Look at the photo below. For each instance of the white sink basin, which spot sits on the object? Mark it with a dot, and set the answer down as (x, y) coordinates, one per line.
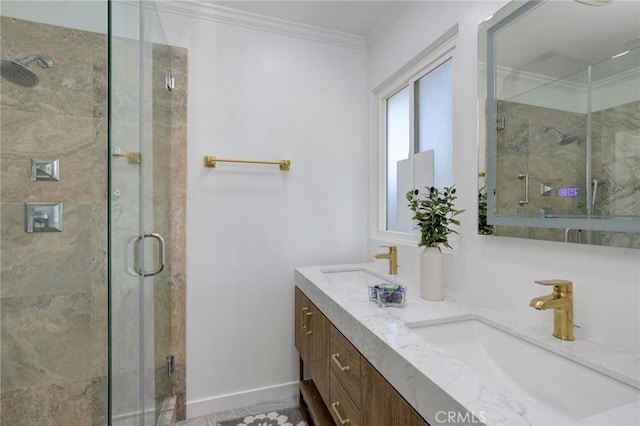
(357, 277)
(548, 380)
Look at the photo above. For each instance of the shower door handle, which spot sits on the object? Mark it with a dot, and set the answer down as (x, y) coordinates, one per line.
(137, 269)
(161, 253)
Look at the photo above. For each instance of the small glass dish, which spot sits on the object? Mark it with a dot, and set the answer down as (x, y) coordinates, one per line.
(388, 294)
(373, 293)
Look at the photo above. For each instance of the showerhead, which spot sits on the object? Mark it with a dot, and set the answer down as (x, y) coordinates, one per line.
(17, 71)
(566, 138)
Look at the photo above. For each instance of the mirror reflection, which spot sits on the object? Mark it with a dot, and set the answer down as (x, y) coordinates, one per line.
(562, 123)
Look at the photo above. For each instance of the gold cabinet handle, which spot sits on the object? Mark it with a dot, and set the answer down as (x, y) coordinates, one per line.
(303, 318)
(342, 421)
(335, 357)
(308, 328)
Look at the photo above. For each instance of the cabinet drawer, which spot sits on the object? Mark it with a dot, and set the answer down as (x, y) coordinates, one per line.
(345, 364)
(342, 408)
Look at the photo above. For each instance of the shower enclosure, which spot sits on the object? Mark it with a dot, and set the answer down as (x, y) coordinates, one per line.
(92, 211)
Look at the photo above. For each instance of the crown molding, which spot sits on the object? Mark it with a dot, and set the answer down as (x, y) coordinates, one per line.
(211, 12)
(539, 80)
(620, 78)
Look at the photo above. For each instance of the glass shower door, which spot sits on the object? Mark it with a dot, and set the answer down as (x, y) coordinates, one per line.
(139, 229)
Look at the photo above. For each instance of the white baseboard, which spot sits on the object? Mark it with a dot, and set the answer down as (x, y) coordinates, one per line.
(248, 398)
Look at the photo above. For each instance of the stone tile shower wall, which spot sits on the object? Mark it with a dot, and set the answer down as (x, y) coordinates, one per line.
(53, 286)
(524, 147)
(617, 168)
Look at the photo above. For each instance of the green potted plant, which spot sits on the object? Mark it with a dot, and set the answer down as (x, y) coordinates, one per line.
(434, 213)
(483, 227)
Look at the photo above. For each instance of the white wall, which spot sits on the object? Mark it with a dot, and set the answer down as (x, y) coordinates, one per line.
(496, 269)
(260, 95)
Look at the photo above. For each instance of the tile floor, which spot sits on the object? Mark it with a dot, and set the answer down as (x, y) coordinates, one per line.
(213, 419)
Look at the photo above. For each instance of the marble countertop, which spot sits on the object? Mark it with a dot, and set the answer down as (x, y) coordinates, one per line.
(441, 388)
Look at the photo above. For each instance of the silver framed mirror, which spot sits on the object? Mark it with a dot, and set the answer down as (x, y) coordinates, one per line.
(560, 129)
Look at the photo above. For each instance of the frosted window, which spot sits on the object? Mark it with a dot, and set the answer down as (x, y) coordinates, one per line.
(398, 146)
(434, 109)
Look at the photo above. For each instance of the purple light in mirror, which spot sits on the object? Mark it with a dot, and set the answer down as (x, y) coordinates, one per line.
(568, 192)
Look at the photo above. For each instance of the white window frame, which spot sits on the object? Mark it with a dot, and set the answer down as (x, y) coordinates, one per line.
(429, 59)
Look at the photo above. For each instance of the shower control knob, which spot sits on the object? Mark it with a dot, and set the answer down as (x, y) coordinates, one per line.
(43, 216)
(40, 218)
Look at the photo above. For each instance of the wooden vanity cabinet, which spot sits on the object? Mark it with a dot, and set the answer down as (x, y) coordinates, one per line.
(344, 389)
(312, 342)
(382, 404)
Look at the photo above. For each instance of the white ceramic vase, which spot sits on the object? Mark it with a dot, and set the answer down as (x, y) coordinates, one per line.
(431, 274)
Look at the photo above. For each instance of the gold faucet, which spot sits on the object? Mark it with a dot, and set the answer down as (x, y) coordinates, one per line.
(392, 255)
(561, 301)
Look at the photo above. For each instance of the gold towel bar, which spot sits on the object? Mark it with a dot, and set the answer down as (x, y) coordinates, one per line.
(210, 161)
